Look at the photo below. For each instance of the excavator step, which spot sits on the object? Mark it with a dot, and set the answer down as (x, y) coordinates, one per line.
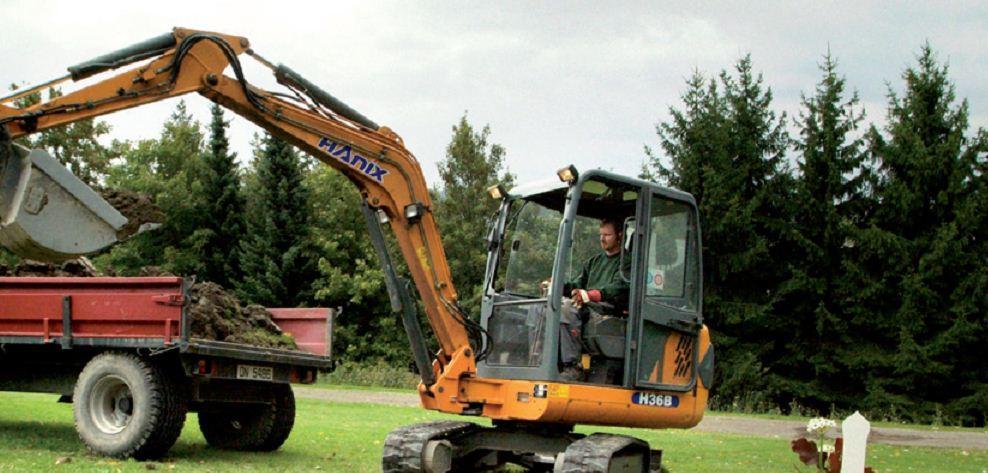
(46, 212)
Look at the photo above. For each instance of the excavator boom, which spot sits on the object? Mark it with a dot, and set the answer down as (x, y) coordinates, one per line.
(373, 157)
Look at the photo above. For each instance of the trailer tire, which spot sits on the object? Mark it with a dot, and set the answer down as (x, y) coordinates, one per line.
(125, 406)
(283, 418)
(261, 429)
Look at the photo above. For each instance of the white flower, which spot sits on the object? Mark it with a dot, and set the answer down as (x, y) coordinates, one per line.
(820, 425)
(827, 448)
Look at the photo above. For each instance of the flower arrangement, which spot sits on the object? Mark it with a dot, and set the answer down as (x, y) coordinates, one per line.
(825, 456)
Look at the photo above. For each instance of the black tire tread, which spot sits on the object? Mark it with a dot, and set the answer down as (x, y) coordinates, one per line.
(593, 453)
(283, 419)
(265, 432)
(170, 417)
(403, 446)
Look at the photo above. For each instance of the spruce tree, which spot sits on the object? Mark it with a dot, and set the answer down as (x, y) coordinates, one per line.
(223, 204)
(694, 140)
(277, 257)
(727, 148)
(830, 193)
(920, 264)
(472, 164)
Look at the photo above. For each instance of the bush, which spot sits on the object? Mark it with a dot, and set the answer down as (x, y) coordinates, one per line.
(376, 374)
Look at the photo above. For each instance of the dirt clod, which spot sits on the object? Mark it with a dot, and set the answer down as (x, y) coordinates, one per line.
(138, 208)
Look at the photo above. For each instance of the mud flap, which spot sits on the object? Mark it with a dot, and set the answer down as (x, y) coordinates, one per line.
(47, 213)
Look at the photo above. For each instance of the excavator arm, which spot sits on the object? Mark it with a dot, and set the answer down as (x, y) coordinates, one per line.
(373, 157)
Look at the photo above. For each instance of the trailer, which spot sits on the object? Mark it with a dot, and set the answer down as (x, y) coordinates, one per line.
(119, 350)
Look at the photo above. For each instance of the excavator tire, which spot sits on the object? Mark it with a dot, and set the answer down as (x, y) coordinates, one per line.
(257, 429)
(404, 447)
(606, 453)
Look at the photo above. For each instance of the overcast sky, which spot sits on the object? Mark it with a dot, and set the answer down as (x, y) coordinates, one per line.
(558, 82)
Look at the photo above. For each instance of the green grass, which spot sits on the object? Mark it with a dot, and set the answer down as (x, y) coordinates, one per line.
(36, 432)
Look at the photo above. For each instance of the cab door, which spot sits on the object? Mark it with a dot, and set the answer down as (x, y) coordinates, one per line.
(667, 295)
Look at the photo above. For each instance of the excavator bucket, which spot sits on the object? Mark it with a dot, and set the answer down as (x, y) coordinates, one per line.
(47, 213)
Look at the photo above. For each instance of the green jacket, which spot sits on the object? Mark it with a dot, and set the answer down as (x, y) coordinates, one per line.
(602, 272)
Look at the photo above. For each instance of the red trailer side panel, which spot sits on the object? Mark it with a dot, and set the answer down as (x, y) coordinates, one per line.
(95, 307)
(310, 327)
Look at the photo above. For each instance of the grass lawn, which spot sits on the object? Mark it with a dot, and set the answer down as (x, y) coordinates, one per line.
(36, 434)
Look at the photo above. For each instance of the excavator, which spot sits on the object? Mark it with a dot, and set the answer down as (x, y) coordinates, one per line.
(647, 365)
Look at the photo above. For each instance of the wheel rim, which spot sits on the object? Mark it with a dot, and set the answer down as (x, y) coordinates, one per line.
(111, 405)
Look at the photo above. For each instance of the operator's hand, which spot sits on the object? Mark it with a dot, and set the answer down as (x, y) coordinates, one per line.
(583, 296)
(544, 286)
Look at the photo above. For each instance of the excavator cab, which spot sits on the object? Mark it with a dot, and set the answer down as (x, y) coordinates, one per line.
(545, 232)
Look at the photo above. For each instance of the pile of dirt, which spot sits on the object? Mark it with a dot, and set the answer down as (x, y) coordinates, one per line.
(219, 315)
(215, 313)
(138, 208)
(76, 268)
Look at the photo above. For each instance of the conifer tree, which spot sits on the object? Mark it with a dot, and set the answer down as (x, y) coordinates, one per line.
(919, 265)
(727, 148)
(277, 257)
(472, 164)
(830, 195)
(223, 204)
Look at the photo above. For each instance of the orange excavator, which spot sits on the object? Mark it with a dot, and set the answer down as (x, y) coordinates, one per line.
(648, 363)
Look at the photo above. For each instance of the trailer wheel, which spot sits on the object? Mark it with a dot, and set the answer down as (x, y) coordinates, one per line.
(251, 428)
(125, 406)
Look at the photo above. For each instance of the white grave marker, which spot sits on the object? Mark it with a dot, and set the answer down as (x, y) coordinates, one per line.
(855, 430)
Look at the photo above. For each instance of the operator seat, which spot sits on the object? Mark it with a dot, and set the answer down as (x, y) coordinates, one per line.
(604, 341)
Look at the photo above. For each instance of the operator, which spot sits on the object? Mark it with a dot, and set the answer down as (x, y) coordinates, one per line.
(599, 281)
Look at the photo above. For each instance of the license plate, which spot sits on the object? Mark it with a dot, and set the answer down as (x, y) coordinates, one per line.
(260, 373)
(655, 400)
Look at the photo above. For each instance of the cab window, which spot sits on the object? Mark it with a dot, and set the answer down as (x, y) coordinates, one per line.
(671, 264)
